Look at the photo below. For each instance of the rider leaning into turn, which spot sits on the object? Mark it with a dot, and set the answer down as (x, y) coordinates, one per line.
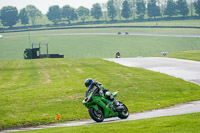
(90, 84)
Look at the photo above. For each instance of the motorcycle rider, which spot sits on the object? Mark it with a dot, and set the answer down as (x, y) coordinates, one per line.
(90, 84)
(117, 55)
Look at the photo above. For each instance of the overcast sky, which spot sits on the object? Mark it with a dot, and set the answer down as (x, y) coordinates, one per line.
(43, 5)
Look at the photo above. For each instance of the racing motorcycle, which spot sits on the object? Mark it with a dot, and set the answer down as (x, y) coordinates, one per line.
(117, 56)
(99, 107)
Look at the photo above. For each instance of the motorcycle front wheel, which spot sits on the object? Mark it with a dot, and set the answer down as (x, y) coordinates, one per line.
(97, 116)
(124, 113)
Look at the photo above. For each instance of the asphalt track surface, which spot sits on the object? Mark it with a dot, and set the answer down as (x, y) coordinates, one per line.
(187, 70)
(190, 107)
(81, 34)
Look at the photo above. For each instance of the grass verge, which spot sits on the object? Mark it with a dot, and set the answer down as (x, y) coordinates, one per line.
(188, 55)
(96, 46)
(34, 91)
(189, 123)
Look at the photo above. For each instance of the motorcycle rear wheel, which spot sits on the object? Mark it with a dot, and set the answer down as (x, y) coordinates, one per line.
(123, 114)
(97, 116)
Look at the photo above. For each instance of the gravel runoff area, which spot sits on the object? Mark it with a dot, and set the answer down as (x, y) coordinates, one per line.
(185, 69)
(186, 108)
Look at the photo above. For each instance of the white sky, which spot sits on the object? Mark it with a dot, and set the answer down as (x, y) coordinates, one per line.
(43, 5)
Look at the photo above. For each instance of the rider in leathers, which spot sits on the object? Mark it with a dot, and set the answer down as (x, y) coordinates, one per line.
(101, 90)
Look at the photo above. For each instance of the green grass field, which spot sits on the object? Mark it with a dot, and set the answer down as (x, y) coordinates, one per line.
(34, 91)
(191, 31)
(193, 23)
(99, 46)
(189, 123)
(188, 55)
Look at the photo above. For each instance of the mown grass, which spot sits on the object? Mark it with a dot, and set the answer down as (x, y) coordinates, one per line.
(95, 46)
(34, 91)
(193, 23)
(188, 55)
(190, 31)
(189, 123)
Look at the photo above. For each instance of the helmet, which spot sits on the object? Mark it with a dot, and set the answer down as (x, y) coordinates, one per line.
(88, 82)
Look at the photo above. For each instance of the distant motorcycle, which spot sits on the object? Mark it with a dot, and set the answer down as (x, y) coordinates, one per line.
(99, 107)
(117, 55)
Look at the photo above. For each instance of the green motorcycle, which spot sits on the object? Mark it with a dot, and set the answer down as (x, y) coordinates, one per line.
(99, 107)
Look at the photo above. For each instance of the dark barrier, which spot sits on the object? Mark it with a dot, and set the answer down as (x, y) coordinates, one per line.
(93, 27)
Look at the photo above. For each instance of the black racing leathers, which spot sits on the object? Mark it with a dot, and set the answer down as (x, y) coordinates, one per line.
(98, 87)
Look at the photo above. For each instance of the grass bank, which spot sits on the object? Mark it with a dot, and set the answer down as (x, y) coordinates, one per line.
(44, 22)
(188, 55)
(191, 31)
(99, 46)
(34, 91)
(189, 123)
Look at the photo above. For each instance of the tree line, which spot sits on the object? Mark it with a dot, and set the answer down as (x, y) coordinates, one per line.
(137, 9)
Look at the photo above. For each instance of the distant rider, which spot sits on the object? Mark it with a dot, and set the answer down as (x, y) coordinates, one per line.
(101, 90)
(117, 55)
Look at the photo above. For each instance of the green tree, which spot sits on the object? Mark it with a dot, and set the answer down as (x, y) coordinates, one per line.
(126, 12)
(153, 9)
(9, 16)
(191, 7)
(162, 4)
(112, 12)
(140, 9)
(104, 10)
(182, 7)
(132, 6)
(118, 7)
(171, 9)
(54, 14)
(197, 7)
(69, 13)
(33, 13)
(23, 16)
(96, 11)
(83, 13)
(0, 17)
